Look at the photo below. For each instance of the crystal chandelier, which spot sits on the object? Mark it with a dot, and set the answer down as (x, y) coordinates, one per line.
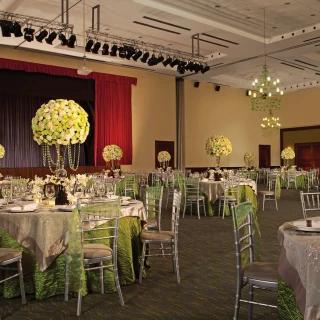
(266, 94)
(270, 125)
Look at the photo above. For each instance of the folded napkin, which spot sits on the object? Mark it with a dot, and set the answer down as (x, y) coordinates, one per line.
(29, 206)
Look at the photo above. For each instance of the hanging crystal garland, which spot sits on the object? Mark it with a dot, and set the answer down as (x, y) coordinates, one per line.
(270, 125)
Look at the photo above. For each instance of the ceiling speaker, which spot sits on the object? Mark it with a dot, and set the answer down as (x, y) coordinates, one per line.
(196, 84)
(217, 88)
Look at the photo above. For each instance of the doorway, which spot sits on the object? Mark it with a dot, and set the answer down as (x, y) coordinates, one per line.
(164, 146)
(307, 155)
(264, 156)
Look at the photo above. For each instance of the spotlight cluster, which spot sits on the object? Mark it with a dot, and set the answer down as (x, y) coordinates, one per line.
(150, 54)
(11, 23)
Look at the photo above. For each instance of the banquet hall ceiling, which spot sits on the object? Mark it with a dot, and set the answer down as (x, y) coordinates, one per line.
(231, 35)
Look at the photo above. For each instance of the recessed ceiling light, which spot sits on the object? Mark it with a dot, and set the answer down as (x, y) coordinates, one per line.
(312, 15)
(286, 3)
(140, 37)
(217, 6)
(106, 29)
(170, 44)
(274, 27)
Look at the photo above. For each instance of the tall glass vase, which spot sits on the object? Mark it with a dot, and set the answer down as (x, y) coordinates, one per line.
(61, 153)
(218, 158)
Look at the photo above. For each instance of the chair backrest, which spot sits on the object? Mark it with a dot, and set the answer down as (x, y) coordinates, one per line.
(175, 212)
(231, 186)
(191, 186)
(242, 226)
(272, 182)
(310, 201)
(253, 175)
(154, 203)
(100, 222)
(154, 179)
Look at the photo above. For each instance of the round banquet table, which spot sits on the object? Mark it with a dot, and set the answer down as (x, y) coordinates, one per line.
(299, 271)
(42, 237)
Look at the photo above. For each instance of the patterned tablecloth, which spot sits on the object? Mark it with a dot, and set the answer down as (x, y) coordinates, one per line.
(214, 189)
(299, 267)
(44, 232)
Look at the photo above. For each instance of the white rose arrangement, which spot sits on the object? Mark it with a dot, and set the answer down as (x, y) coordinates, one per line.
(60, 122)
(249, 157)
(218, 146)
(164, 156)
(287, 154)
(2, 151)
(112, 152)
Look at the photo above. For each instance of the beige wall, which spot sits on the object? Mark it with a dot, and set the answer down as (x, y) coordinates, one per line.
(153, 102)
(227, 112)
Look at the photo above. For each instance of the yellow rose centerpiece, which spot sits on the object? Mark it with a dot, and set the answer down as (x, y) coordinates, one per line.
(61, 123)
(112, 153)
(249, 157)
(2, 151)
(218, 146)
(164, 157)
(287, 154)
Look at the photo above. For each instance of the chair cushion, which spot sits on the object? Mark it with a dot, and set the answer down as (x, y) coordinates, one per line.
(9, 253)
(266, 271)
(195, 197)
(156, 235)
(152, 223)
(96, 250)
(267, 193)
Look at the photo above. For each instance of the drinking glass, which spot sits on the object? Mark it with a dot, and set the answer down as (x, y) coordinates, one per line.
(50, 191)
(6, 193)
(16, 190)
(101, 189)
(78, 191)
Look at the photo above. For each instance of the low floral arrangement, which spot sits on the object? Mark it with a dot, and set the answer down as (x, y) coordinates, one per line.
(2, 151)
(249, 157)
(218, 146)
(112, 152)
(164, 156)
(60, 122)
(287, 153)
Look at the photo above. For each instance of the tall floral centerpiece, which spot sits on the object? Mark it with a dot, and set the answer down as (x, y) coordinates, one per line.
(287, 154)
(112, 153)
(164, 157)
(61, 123)
(2, 151)
(249, 158)
(218, 146)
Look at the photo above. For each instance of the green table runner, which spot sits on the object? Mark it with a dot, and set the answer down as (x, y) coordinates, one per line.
(51, 281)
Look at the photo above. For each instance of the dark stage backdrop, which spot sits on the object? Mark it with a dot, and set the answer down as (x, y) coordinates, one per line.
(21, 94)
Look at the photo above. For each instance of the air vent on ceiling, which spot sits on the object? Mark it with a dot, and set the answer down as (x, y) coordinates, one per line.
(290, 65)
(216, 44)
(167, 23)
(217, 64)
(225, 40)
(307, 63)
(318, 74)
(311, 39)
(154, 27)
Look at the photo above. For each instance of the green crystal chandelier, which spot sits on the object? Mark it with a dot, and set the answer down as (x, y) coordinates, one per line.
(270, 125)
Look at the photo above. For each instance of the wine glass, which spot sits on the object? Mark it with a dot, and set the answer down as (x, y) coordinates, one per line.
(6, 193)
(50, 191)
(78, 191)
(101, 189)
(109, 190)
(16, 190)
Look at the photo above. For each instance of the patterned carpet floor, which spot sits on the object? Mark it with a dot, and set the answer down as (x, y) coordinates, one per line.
(208, 273)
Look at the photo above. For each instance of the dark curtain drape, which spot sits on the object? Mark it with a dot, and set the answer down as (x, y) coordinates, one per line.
(113, 120)
(120, 83)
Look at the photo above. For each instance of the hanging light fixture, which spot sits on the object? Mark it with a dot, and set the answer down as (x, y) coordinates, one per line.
(266, 94)
(270, 125)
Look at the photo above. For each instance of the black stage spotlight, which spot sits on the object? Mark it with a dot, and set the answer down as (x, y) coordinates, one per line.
(205, 69)
(96, 47)
(189, 66)
(167, 61)
(130, 52)
(88, 46)
(5, 28)
(105, 49)
(160, 58)
(41, 35)
(122, 52)
(174, 63)
(17, 30)
(197, 67)
(152, 61)
(63, 39)
(181, 68)
(51, 37)
(145, 57)
(72, 41)
(113, 51)
(28, 34)
(137, 55)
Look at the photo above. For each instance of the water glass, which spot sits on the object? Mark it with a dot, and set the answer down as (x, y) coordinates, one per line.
(6, 193)
(50, 191)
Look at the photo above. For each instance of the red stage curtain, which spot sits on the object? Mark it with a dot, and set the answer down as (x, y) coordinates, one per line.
(113, 123)
(113, 120)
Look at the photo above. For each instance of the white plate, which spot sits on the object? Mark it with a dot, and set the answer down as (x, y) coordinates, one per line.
(21, 211)
(125, 203)
(67, 208)
(125, 198)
